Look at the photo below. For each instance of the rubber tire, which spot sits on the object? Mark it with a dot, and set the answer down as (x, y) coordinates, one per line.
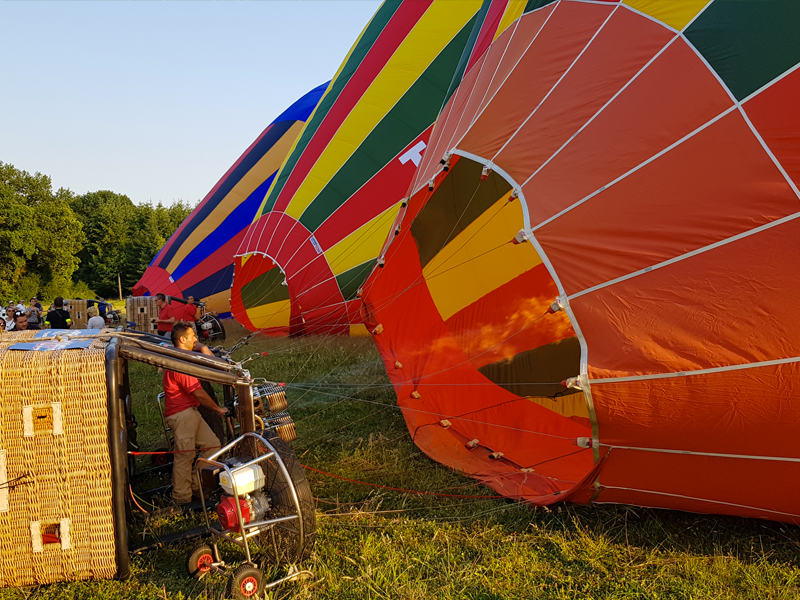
(243, 576)
(197, 558)
(280, 544)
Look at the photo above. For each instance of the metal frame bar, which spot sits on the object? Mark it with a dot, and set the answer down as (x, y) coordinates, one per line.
(248, 530)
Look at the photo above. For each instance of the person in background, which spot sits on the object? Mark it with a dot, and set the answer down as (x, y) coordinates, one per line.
(34, 312)
(8, 316)
(182, 397)
(21, 321)
(59, 318)
(20, 306)
(95, 321)
(166, 315)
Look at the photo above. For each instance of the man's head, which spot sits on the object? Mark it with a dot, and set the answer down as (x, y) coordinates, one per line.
(59, 302)
(183, 336)
(190, 299)
(20, 320)
(161, 300)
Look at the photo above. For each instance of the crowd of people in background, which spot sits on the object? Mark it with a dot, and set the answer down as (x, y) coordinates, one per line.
(19, 317)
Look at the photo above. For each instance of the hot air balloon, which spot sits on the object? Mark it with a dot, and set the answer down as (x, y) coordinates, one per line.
(198, 259)
(316, 236)
(597, 300)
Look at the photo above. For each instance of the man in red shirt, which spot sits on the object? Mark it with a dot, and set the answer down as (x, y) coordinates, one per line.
(166, 315)
(182, 395)
(189, 311)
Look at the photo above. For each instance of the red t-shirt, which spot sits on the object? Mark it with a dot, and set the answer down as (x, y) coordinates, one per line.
(165, 313)
(186, 313)
(178, 394)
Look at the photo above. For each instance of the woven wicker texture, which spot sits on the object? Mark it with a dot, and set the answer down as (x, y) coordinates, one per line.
(77, 312)
(141, 310)
(63, 463)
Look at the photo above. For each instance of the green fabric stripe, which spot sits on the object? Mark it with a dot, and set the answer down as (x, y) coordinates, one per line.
(534, 4)
(460, 199)
(467, 52)
(351, 280)
(524, 373)
(412, 115)
(748, 42)
(376, 26)
(267, 287)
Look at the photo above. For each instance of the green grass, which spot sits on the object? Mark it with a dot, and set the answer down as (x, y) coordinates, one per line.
(375, 543)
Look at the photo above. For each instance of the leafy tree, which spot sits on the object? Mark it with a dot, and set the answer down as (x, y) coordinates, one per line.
(39, 234)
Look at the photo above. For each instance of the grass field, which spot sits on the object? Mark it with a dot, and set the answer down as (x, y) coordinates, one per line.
(375, 543)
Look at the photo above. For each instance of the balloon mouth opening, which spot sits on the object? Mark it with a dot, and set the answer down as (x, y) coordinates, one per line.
(500, 356)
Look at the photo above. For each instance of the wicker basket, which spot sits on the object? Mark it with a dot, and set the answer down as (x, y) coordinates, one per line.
(77, 312)
(141, 310)
(56, 504)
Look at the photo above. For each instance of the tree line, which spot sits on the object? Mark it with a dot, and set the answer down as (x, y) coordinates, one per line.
(58, 243)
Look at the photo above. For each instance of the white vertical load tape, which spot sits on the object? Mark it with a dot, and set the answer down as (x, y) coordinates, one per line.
(27, 421)
(36, 536)
(58, 422)
(3, 482)
(63, 531)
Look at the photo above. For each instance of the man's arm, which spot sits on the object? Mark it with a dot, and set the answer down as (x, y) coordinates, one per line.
(204, 399)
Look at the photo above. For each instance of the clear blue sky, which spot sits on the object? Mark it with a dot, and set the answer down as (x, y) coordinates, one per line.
(156, 100)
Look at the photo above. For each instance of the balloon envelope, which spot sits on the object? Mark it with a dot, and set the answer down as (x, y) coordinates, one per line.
(327, 216)
(598, 300)
(197, 260)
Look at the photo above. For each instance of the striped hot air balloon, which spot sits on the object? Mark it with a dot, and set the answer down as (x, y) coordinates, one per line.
(316, 236)
(198, 259)
(598, 300)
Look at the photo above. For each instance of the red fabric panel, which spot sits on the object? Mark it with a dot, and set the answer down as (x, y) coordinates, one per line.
(736, 304)
(253, 234)
(156, 280)
(488, 29)
(567, 32)
(774, 114)
(673, 96)
(330, 320)
(479, 80)
(715, 185)
(501, 324)
(414, 334)
(624, 45)
(732, 485)
(520, 39)
(282, 237)
(393, 34)
(491, 71)
(371, 199)
(748, 411)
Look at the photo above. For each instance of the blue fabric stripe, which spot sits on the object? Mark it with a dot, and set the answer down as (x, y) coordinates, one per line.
(218, 282)
(248, 162)
(239, 219)
(302, 109)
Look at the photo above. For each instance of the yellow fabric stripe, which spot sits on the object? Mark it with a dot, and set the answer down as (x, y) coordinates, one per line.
(266, 166)
(359, 330)
(274, 314)
(363, 244)
(472, 265)
(675, 13)
(513, 12)
(437, 27)
(573, 405)
(219, 302)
